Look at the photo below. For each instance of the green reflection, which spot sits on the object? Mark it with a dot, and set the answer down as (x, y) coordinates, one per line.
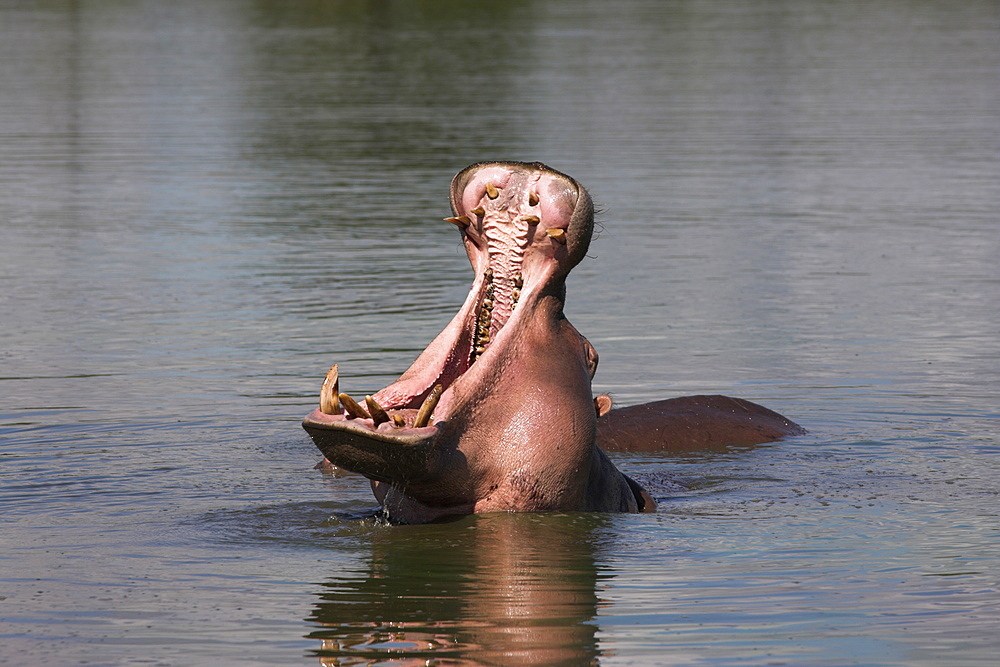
(413, 85)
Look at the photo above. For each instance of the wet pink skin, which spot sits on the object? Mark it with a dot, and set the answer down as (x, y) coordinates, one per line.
(516, 428)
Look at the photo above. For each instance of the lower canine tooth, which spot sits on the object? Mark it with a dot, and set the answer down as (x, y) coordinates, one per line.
(352, 407)
(479, 210)
(461, 221)
(378, 414)
(424, 415)
(329, 402)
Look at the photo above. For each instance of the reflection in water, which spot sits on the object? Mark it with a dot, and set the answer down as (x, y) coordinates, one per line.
(515, 589)
(202, 202)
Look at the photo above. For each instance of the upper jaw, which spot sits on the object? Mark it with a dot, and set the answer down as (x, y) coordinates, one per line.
(522, 213)
(524, 226)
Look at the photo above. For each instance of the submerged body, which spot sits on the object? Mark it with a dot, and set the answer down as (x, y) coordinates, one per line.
(497, 413)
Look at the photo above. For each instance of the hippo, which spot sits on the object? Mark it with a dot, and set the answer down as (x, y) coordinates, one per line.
(497, 413)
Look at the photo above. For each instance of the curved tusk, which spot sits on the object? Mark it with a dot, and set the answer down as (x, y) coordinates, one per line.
(424, 415)
(379, 415)
(352, 407)
(329, 402)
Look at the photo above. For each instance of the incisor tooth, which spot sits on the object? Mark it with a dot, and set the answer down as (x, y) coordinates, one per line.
(398, 420)
(531, 219)
(533, 198)
(329, 402)
(352, 407)
(557, 234)
(378, 414)
(479, 210)
(424, 414)
(491, 191)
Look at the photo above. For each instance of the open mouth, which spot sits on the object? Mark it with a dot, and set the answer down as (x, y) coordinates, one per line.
(524, 227)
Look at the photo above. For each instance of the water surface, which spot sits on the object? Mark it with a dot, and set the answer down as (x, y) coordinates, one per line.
(205, 204)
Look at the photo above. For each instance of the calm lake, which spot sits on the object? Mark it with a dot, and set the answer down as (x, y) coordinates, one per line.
(204, 204)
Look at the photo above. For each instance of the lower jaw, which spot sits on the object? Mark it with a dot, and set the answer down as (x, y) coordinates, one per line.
(379, 455)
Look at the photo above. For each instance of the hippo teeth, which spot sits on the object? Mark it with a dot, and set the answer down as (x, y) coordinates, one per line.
(461, 221)
(334, 403)
(489, 320)
(484, 320)
(379, 415)
(424, 414)
(557, 234)
(353, 409)
(329, 399)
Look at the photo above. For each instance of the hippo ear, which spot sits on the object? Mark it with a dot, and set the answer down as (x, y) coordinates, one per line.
(603, 404)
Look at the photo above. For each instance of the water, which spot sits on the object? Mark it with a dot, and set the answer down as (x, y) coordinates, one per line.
(205, 204)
